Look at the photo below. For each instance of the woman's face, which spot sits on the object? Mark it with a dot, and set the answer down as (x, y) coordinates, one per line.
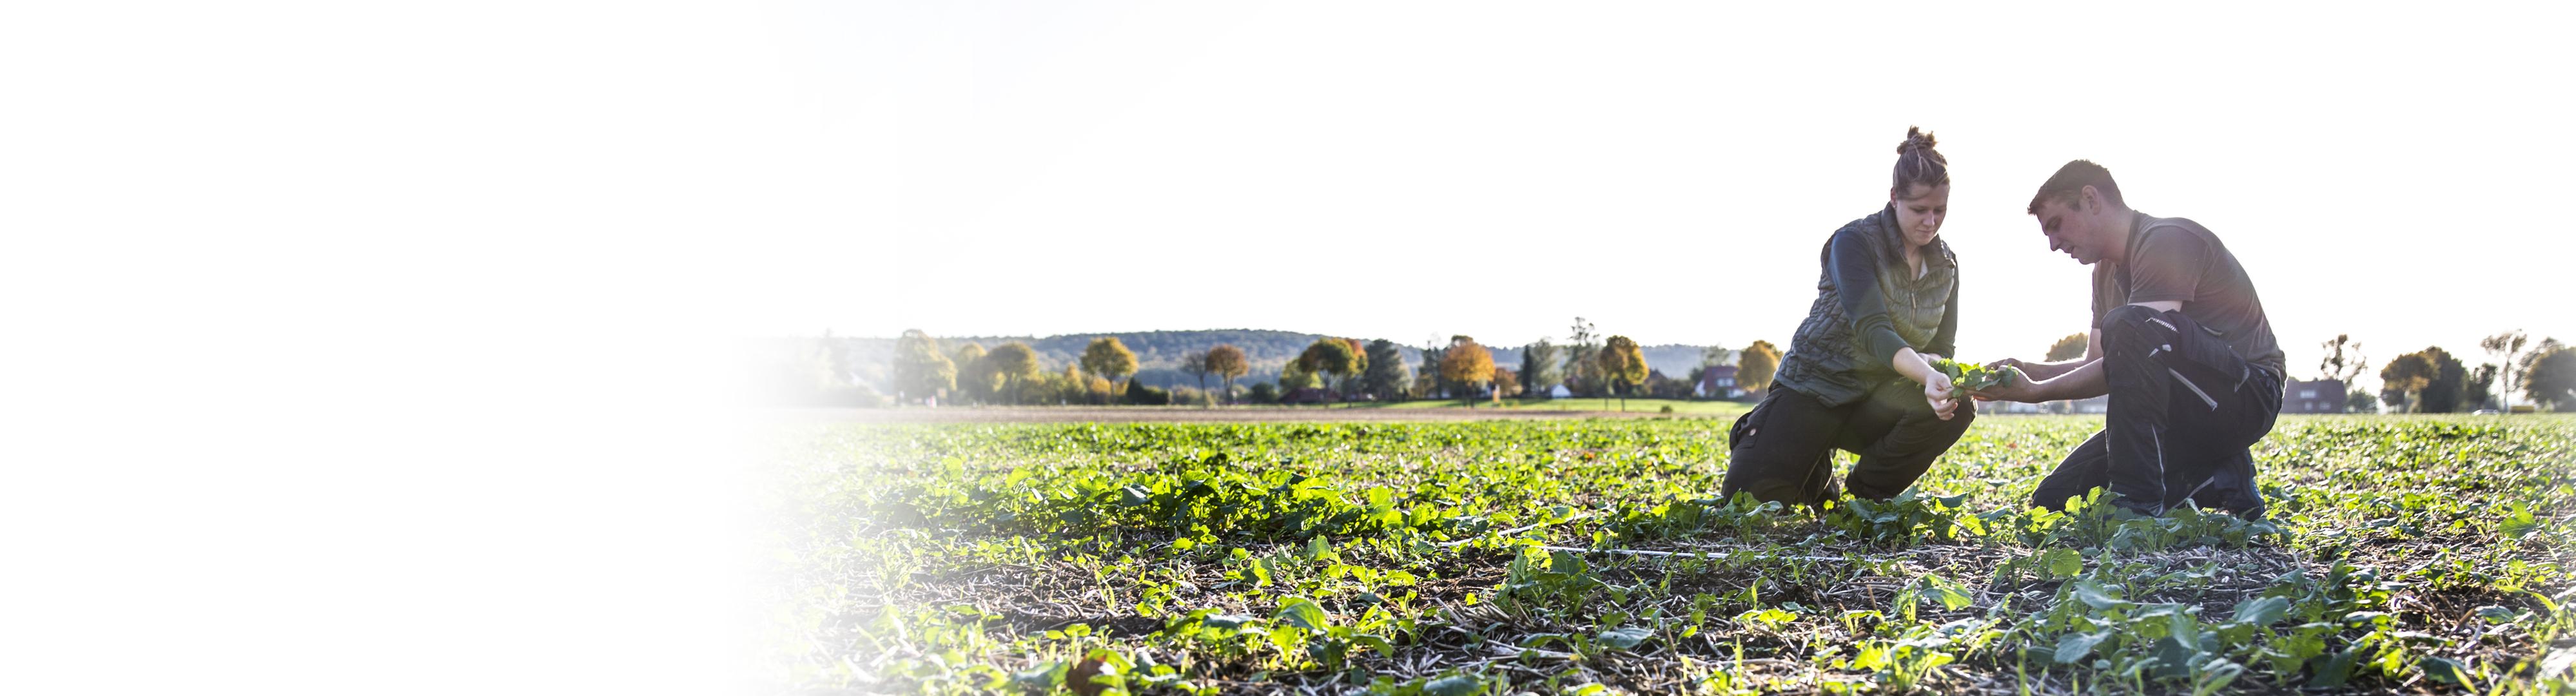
(1920, 210)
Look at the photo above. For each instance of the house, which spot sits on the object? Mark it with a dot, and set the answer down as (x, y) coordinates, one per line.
(2321, 396)
(1717, 382)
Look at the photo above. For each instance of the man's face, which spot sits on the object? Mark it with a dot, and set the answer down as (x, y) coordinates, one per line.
(2072, 230)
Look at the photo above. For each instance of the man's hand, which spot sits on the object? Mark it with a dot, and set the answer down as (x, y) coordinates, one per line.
(2016, 390)
(2025, 390)
(1936, 391)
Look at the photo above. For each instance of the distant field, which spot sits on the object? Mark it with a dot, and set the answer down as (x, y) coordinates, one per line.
(1181, 414)
(1588, 555)
(1512, 409)
(1680, 406)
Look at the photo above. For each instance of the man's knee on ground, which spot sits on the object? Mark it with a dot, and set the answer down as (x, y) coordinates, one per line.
(2136, 329)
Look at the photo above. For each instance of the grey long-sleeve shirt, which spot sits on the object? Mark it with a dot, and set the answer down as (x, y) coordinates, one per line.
(1869, 305)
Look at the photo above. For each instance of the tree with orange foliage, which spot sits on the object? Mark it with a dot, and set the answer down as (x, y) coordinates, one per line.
(1755, 367)
(1466, 363)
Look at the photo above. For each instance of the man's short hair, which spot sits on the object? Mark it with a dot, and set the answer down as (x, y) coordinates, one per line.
(2069, 182)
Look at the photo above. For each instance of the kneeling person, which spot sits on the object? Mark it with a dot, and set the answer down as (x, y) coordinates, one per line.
(2179, 342)
(1856, 377)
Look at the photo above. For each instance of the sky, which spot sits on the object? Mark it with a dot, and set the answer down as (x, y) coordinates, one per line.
(1669, 171)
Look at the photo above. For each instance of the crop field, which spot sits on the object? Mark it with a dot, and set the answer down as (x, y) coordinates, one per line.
(1590, 556)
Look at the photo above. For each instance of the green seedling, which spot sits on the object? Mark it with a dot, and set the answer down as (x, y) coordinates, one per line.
(1966, 377)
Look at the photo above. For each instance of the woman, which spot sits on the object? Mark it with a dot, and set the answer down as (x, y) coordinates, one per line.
(1858, 375)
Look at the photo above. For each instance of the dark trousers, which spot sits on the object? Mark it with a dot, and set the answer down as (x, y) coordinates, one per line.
(2184, 410)
(1782, 450)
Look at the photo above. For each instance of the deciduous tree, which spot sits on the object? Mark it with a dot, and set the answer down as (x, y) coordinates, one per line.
(1292, 378)
(2551, 377)
(1582, 372)
(1624, 365)
(2477, 391)
(1042, 388)
(2444, 392)
(2545, 345)
(2408, 375)
(974, 377)
(1195, 364)
(1138, 394)
(1714, 356)
(1466, 364)
(1227, 362)
(2068, 348)
(1015, 363)
(2505, 347)
(1333, 359)
(1108, 358)
(1100, 389)
(919, 368)
(1507, 384)
(2343, 360)
(1755, 367)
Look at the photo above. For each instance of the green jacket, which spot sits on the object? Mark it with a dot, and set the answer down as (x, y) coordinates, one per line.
(1868, 306)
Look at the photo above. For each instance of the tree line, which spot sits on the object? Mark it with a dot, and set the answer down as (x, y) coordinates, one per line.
(2433, 380)
(1328, 370)
(1589, 365)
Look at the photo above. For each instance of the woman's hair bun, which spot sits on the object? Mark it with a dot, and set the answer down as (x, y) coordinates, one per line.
(1918, 163)
(1915, 139)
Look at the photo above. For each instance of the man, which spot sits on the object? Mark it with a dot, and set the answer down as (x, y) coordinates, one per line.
(2179, 342)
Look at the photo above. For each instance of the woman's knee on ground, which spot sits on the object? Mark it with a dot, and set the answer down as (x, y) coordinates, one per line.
(1775, 479)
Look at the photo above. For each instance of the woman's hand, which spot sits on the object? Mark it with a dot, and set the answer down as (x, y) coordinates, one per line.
(1936, 391)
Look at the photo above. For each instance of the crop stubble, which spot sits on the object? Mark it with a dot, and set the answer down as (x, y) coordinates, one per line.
(2403, 555)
